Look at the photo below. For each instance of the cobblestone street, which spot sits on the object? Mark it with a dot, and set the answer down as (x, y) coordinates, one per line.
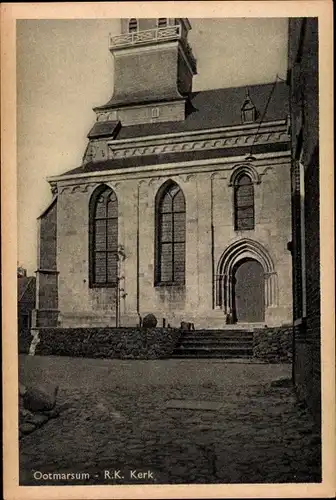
(187, 421)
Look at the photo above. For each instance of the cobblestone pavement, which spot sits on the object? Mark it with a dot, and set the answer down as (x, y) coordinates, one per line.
(116, 417)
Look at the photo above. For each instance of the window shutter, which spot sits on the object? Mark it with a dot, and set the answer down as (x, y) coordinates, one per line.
(162, 22)
(133, 25)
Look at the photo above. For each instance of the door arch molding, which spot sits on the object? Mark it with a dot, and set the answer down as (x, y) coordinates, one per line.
(234, 253)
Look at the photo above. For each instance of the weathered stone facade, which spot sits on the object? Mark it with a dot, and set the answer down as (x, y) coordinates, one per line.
(204, 150)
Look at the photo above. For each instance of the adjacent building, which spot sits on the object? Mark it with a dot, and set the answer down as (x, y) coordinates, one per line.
(182, 204)
(26, 286)
(303, 80)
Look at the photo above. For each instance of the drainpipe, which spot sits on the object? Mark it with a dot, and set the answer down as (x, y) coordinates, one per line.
(212, 244)
(138, 257)
(117, 296)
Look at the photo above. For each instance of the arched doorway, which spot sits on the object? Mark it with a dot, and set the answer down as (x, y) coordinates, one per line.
(248, 291)
(246, 281)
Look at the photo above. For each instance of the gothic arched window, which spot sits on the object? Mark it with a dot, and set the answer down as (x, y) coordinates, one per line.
(132, 25)
(103, 244)
(243, 203)
(170, 236)
(162, 22)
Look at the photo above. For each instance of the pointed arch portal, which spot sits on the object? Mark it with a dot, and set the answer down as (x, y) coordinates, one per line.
(246, 282)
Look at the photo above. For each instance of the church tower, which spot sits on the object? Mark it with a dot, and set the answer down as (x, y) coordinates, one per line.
(154, 68)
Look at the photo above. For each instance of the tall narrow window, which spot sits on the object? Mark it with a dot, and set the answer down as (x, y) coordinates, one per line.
(170, 230)
(162, 22)
(132, 25)
(103, 238)
(244, 203)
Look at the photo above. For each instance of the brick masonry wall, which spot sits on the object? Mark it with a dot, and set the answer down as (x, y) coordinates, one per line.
(119, 343)
(312, 222)
(273, 345)
(303, 65)
(307, 376)
(312, 331)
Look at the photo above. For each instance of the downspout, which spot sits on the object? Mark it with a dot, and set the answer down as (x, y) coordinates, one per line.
(138, 257)
(212, 243)
(34, 320)
(292, 243)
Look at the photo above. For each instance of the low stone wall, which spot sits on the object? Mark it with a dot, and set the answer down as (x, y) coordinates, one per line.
(273, 345)
(120, 343)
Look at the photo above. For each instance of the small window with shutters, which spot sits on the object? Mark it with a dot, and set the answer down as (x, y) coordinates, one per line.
(103, 246)
(132, 25)
(162, 22)
(171, 234)
(244, 203)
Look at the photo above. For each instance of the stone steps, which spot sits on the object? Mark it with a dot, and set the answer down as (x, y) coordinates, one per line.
(208, 343)
(221, 354)
(215, 344)
(223, 336)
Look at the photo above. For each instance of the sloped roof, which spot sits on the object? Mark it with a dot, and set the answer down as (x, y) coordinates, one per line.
(26, 289)
(49, 207)
(101, 129)
(219, 108)
(207, 109)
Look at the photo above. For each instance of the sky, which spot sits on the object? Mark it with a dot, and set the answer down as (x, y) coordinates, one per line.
(64, 69)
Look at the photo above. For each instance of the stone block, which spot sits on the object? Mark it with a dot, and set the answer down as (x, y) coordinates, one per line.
(25, 415)
(149, 321)
(40, 399)
(27, 428)
(37, 419)
(55, 412)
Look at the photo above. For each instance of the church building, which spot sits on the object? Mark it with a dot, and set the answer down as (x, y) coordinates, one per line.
(182, 204)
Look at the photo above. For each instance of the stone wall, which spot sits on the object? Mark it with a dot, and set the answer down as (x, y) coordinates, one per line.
(119, 343)
(208, 198)
(273, 345)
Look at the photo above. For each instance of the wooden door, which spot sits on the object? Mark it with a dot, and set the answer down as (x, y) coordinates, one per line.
(248, 292)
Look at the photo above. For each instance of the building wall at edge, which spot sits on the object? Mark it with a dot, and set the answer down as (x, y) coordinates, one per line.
(303, 64)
